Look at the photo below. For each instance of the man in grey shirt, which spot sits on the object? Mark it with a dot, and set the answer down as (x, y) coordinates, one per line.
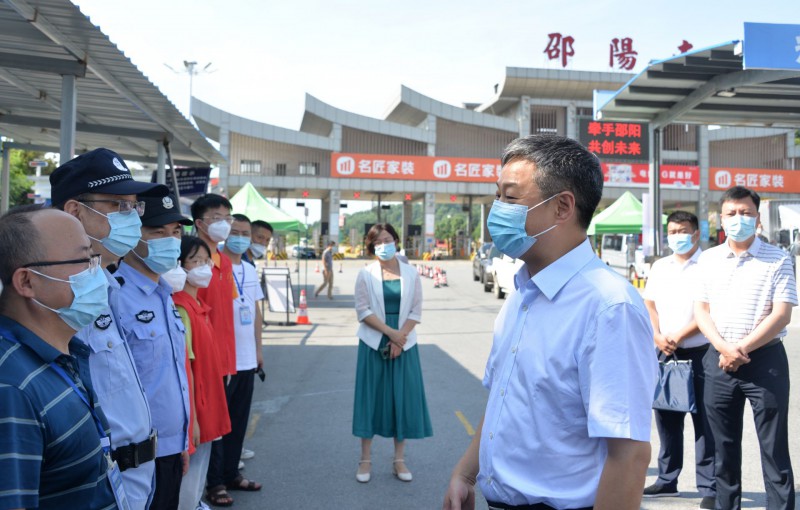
(327, 270)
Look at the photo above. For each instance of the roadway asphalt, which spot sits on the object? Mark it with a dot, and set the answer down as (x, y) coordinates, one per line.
(300, 427)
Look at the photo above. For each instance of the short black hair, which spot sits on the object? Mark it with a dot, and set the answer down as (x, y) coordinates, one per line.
(375, 231)
(209, 201)
(739, 193)
(242, 217)
(683, 217)
(562, 164)
(190, 245)
(20, 243)
(262, 224)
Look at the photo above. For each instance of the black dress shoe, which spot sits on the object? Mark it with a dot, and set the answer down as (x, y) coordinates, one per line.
(660, 491)
(708, 502)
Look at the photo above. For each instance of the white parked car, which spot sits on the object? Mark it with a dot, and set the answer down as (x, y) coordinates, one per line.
(502, 271)
(623, 253)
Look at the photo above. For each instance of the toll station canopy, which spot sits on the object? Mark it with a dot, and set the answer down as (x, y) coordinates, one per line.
(708, 86)
(53, 59)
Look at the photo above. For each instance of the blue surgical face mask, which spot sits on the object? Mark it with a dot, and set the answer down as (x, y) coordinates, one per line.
(386, 251)
(680, 243)
(162, 254)
(506, 224)
(90, 291)
(739, 227)
(238, 244)
(126, 230)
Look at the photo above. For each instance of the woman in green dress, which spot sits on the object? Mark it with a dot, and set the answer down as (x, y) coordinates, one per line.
(389, 393)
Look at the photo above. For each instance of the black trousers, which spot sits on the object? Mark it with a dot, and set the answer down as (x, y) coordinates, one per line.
(223, 468)
(765, 383)
(670, 433)
(169, 473)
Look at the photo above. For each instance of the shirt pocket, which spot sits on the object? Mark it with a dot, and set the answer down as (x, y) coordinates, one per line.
(146, 345)
(112, 368)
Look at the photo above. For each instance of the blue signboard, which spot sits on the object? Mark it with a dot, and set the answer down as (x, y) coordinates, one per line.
(771, 46)
(191, 181)
(704, 232)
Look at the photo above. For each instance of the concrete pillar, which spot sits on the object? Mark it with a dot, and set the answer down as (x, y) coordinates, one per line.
(325, 217)
(524, 116)
(225, 150)
(334, 200)
(408, 212)
(468, 233)
(161, 162)
(430, 221)
(69, 112)
(336, 134)
(431, 126)
(703, 162)
(5, 177)
(572, 121)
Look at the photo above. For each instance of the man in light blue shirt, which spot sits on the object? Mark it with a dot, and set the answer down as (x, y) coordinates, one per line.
(98, 189)
(157, 339)
(572, 371)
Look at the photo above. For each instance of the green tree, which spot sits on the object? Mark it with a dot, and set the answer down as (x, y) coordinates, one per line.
(19, 184)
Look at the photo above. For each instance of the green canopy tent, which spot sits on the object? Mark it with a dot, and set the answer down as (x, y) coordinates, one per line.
(248, 201)
(624, 216)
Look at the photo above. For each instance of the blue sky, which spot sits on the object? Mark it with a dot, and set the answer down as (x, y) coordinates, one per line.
(355, 54)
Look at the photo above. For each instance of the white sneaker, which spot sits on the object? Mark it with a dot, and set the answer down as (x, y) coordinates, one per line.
(241, 465)
(247, 454)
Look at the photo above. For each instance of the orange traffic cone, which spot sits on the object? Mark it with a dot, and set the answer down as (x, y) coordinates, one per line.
(316, 268)
(302, 309)
(436, 281)
(443, 279)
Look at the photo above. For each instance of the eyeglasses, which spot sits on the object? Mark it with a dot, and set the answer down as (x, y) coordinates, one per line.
(125, 206)
(93, 261)
(214, 219)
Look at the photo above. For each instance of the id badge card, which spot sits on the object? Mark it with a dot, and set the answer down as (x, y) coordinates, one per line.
(245, 316)
(115, 478)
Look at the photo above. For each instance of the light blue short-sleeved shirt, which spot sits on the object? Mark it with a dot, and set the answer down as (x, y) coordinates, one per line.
(156, 337)
(740, 289)
(572, 363)
(121, 394)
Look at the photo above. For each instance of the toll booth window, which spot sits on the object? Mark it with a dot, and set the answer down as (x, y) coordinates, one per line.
(250, 166)
(280, 169)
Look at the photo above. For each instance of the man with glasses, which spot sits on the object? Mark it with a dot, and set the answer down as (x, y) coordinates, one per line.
(99, 190)
(54, 439)
(212, 221)
(157, 338)
(744, 303)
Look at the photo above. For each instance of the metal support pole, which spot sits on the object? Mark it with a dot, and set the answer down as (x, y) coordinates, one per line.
(379, 208)
(69, 112)
(161, 169)
(6, 178)
(174, 172)
(656, 194)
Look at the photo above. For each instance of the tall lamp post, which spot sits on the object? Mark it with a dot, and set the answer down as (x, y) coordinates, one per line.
(192, 68)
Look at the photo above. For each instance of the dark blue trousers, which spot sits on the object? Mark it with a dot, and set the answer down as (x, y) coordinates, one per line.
(670, 433)
(765, 383)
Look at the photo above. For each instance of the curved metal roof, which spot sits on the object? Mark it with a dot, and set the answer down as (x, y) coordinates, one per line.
(706, 86)
(118, 106)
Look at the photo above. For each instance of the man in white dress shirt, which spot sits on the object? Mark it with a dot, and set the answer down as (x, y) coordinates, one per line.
(572, 371)
(743, 306)
(669, 297)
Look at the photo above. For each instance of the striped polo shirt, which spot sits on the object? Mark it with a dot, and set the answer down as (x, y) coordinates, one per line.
(50, 453)
(740, 289)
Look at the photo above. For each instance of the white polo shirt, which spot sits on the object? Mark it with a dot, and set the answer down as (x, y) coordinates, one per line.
(740, 290)
(572, 363)
(671, 286)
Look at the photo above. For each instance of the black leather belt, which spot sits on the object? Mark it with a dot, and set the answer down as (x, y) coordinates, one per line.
(535, 506)
(690, 350)
(134, 455)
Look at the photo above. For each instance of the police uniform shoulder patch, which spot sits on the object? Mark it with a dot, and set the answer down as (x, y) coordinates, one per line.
(103, 322)
(145, 316)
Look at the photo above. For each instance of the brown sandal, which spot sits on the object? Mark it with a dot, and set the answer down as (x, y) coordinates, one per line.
(241, 483)
(218, 496)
